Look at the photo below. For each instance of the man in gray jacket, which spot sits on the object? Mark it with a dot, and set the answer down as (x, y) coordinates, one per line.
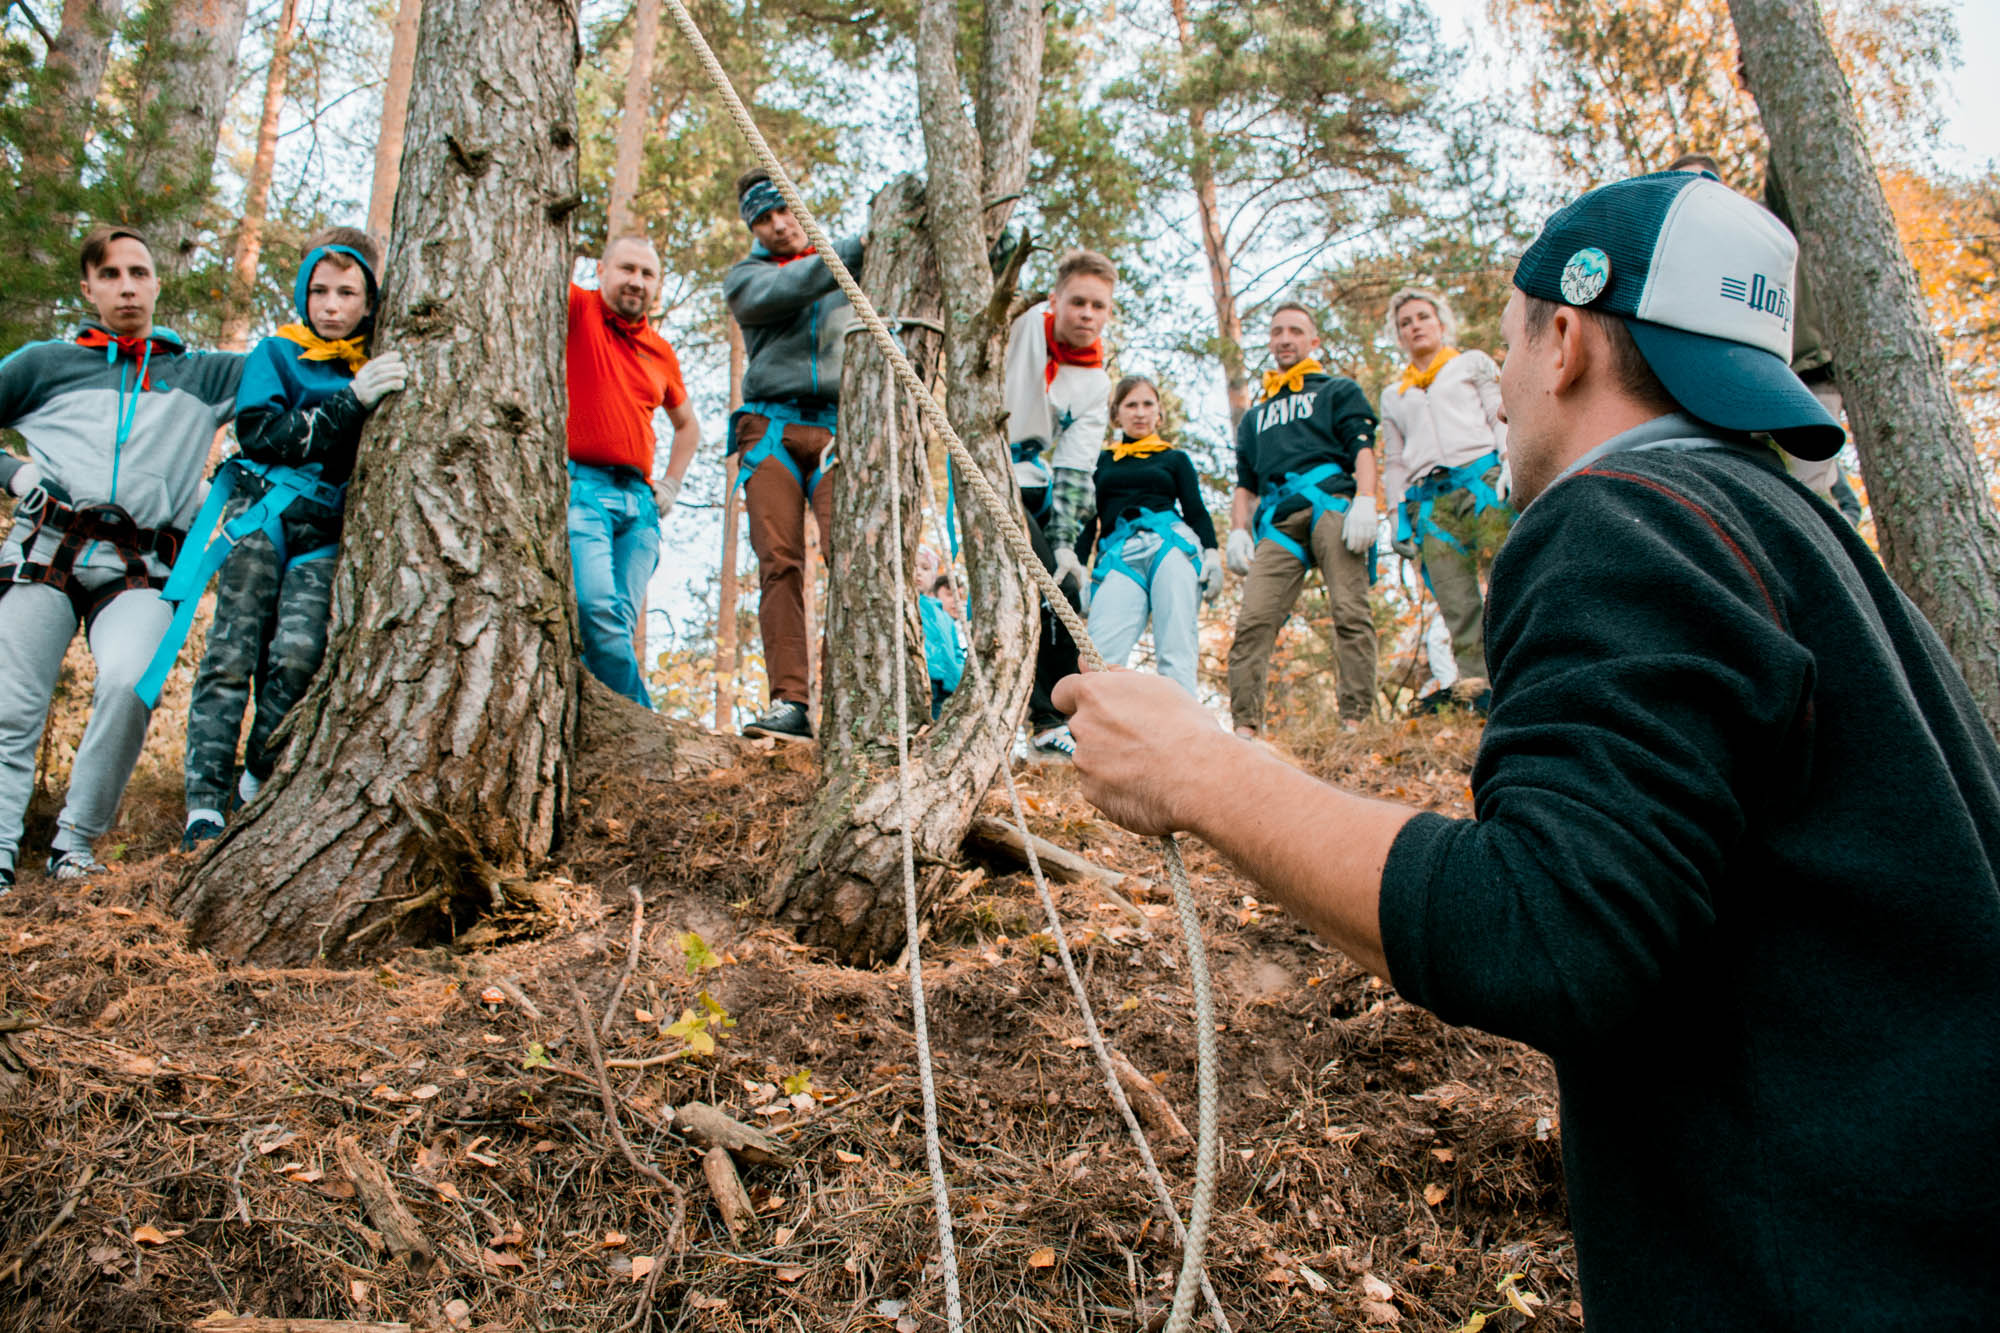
(118, 423)
(794, 322)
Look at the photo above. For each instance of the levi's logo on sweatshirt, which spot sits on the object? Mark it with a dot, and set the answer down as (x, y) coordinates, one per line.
(1283, 411)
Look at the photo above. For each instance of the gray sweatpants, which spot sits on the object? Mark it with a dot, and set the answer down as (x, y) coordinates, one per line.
(36, 625)
(1120, 607)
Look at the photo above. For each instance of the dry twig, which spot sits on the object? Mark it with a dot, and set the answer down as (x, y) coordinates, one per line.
(631, 965)
(610, 1101)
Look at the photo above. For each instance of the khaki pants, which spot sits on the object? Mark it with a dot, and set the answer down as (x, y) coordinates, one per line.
(1269, 593)
(1453, 572)
(776, 504)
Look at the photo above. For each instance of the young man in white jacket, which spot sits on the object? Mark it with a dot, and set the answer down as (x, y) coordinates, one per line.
(1444, 469)
(1058, 398)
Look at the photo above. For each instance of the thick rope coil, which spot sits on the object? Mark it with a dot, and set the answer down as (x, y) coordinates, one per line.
(1009, 523)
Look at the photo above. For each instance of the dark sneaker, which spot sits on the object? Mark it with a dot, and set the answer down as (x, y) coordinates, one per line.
(199, 832)
(1055, 743)
(783, 721)
(73, 865)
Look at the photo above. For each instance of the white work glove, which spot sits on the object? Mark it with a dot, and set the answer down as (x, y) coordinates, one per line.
(1211, 575)
(33, 490)
(665, 491)
(1242, 550)
(1504, 488)
(1069, 570)
(1359, 529)
(382, 375)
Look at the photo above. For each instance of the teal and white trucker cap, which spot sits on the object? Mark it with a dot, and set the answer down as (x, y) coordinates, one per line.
(1703, 278)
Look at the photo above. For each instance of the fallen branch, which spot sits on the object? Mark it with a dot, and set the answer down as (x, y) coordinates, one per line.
(511, 988)
(385, 1207)
(244, 1323)
(631, 965)
(1058, 863)
(719, 1169)
(1147, 1100)
(610, 1101)
(712, 1129)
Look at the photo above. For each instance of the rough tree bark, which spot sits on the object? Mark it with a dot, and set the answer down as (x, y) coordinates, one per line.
(257, 193)
(1214, 241)
(429, 764)
(77, 57)
(395, 113)
(192, 89)
(840, 881)
(620, 219)
(1934, 515)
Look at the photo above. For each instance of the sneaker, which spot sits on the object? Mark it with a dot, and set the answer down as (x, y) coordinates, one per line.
(1055, 743)
(199, 832)
(73, 865)
(783, 721)
(6, 879)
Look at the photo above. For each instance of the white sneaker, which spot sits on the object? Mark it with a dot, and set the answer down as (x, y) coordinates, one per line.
(1055, 743)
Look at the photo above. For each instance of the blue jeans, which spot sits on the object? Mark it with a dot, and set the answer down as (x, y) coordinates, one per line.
(614, 547)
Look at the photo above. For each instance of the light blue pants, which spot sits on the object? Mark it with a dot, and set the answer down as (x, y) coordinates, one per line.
(1120, 606)
(36, 625)
(614, 547)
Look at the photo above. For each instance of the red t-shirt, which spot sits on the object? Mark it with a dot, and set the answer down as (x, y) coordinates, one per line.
(618, 372)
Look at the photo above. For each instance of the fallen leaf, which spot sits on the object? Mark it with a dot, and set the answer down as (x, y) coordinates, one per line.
(1377, 1313)
(447, 1190)
(783, 1235)
(507, 1238)
(1435, 1194)
(644, 1016)
(357, 1291)
(306, 1177)
(642, 1265)
(1443, 1154)
(1375, 1289)
(148, 1234)
(1474, 1324)
(1043, 1258)
(495, 1259)
(842, 1155)
(458, 1313)
(790, 1273)
(612, 1240)
(426, 1092)
(1319, 1285)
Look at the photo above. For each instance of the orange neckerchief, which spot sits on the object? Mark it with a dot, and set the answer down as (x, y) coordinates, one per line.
(1421, 379)
(1091, 357)
(139, 346)
(1152, 444)
(353, 351)
(1294, 379)
(809, 250)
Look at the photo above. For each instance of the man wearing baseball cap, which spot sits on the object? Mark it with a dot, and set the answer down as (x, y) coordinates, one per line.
(1733, 861)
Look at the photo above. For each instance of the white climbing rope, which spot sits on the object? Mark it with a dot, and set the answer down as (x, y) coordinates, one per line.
(1009, 524)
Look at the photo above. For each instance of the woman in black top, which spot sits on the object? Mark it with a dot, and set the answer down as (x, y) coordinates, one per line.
(1155, 542)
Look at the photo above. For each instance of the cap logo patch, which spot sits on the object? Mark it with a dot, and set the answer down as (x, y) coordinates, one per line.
(1585, 276)
(1760, 294)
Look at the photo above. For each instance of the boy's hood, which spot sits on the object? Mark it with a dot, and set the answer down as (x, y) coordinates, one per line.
(303, 283)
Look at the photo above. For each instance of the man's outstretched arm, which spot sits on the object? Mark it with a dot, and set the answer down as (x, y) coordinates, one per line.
(1153, 759)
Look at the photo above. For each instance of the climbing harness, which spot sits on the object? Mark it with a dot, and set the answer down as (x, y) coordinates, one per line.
(771, 444)
(201, 557)
(1306, 486)
(1163, 523)
(1190, 1279)
(1413, 519)
(80, 527)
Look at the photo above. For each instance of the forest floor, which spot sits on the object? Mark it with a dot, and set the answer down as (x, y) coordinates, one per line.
(172, 1133)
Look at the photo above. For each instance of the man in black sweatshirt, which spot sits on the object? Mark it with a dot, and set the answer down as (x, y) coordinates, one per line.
(1733, 863)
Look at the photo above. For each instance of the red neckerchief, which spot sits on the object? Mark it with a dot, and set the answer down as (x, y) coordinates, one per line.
(137, 346)
(1091, 357)
(809, 250)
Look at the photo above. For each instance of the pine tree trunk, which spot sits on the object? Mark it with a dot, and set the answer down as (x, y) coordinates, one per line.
(1934, 514)
(257, 194)
(1214, 242)
(395, 113)
(429, 764)
(840, 879)
(840, 883)
(191, 87)
(620, 219)
(78, 57)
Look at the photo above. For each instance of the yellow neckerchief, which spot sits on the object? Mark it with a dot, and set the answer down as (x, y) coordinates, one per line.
(1421, 379)
(351, 350)
(1123, 449)
(1293, 379)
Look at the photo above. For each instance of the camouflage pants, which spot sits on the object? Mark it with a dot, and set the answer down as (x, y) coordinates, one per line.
(269, 635)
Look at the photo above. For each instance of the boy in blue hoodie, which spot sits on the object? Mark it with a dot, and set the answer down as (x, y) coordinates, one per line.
(306, 393)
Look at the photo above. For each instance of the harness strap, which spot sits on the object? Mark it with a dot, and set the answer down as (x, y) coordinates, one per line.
(1305, 485)
(83, 527)
(1111, 551)
(1414, 519)
(202, 556)
(771, 444)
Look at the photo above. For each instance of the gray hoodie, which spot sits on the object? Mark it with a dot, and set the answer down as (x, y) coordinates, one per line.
(794, 323)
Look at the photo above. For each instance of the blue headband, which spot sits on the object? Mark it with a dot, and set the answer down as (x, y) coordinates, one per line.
(758, 200)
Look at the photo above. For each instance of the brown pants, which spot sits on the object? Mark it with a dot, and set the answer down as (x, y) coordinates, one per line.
(1454, 571)
(776, 504)
(1269, 593)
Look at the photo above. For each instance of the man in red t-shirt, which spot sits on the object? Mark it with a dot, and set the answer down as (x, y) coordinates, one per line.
(619, 370)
